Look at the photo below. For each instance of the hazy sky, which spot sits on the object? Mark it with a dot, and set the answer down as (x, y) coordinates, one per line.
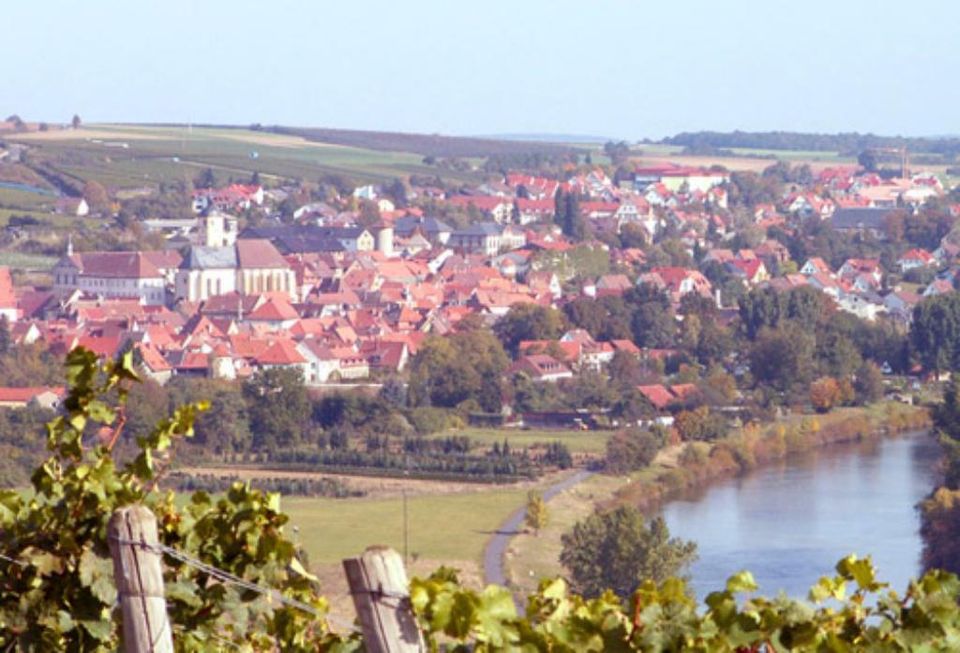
(627, 69)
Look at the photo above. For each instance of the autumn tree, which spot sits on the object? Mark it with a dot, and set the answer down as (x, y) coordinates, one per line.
(825, 394)
(536, 515)
(618, 550)
(700, 424)
(96, 195)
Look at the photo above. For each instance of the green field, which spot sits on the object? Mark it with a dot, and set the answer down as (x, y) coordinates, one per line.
(21, 199)
(594, 442)
(153, 155)
(441, 526)
(28, 262)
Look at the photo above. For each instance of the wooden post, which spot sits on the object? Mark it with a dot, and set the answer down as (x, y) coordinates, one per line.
(381, 595)
(138, 573)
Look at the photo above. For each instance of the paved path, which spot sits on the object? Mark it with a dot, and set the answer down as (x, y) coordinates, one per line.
(497, 546)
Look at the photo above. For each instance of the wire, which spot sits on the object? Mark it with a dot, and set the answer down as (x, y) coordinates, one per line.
(227, 577)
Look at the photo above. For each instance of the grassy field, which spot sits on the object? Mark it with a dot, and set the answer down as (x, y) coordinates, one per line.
(594, 442)
(130, 156)
(445, 527)
(11, 197)
(26, 262)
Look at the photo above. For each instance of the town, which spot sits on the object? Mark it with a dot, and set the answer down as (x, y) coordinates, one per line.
(345, 288)
(531, 326)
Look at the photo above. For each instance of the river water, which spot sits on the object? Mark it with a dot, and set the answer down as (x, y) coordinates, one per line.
(789, 523)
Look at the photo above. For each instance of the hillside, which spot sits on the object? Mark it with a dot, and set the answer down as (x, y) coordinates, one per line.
(435, 145)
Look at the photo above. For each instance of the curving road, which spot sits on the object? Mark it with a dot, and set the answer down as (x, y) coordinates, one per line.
(497, 546)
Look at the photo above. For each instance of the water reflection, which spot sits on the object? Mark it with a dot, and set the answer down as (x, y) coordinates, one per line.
(789, 523)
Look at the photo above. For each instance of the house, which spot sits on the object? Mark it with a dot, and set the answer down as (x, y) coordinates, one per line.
(916, 258)
(541, 367)
(235, 197)
(752, 271)
(498, 209)
(809, 205)
(43, 396)
(303, 239)
(677, 281)
(113, 274)
(612, 284)
(854, 268)
(901, 303)
(938, 287)
(435, 231)
(534, 210)
(481, 237)
(73, 206)
(870, 221)
(815, 265)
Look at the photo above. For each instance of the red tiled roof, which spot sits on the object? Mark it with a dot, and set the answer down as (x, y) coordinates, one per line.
(259, 253)
(658, 395)
(26, 395)
(281, 352)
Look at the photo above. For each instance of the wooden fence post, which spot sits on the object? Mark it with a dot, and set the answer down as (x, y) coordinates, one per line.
(138, 573)
(381, 595)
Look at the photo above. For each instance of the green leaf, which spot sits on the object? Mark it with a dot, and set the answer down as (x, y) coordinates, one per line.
(96, 572)
(101, 629)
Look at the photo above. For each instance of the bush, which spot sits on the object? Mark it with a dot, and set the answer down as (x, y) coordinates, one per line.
(631, 450)
(427, 420)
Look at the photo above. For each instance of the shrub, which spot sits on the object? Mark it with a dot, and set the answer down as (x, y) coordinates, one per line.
(630, 450)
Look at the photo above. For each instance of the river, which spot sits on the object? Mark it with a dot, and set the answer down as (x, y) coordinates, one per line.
(789, 523)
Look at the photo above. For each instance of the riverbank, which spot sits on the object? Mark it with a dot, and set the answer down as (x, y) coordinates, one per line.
(693, 465)
(699, 463)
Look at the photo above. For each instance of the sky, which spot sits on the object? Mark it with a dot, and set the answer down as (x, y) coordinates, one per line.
(628, 69)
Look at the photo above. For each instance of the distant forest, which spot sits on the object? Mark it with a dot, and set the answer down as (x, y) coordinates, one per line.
(849, 144)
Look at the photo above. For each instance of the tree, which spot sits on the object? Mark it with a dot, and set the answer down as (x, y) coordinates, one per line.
(652, 320)
(465, 366)
(824, 394)
(868, 160)
(75, 122)
(528, 322)
(277, 406)
(4, 335)
(868, 384)
(935, 331)
(630, 450)
(783, 358)
(617, 151)
(536, 515)
(96, 195)
(206, 179)
(700, 424)
(618, 550)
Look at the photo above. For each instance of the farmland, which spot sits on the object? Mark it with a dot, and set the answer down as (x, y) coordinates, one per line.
(121, 156)
(586, 442)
